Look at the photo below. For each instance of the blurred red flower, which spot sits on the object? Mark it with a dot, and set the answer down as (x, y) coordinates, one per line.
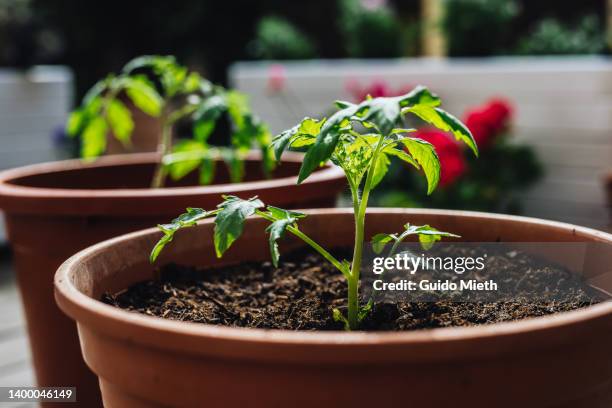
(452, 162)
(489, 121)
(276, 78)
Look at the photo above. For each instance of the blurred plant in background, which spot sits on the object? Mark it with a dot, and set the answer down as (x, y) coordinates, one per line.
(370, 29)
(490, 183)
(479, 27)
(551, 36)
(276, 38)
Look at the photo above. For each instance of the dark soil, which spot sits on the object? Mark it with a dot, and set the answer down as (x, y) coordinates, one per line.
(301, 293)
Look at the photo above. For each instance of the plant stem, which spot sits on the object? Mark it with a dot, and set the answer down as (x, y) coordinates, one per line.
(353, 280)
(295, 231)
(164, 148)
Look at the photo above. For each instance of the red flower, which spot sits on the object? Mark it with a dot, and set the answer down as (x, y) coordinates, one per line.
(488, 121)
(452, 163)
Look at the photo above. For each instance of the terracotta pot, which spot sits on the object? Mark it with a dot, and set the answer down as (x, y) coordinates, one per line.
(563, 360)
(54, 210)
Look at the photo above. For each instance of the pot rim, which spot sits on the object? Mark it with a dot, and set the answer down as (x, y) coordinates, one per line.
(12, 195)
(84, 308)
(20, 199)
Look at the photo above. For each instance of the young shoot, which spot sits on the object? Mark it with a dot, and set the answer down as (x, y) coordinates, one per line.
(162, 88)
(361, 139)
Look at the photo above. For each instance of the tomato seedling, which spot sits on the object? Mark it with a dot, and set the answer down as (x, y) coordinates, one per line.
(361, 139)
(160, 87)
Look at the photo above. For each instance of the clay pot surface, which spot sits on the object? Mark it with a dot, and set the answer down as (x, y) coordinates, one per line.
(53, 210)
(563, 360)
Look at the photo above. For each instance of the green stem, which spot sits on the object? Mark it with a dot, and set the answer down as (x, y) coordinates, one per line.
(353, 281)
(295, 231)
(164, 148)
(165, 144)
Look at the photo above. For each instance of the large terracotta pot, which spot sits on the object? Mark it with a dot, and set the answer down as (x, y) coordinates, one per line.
(563, 360)
(54, 210)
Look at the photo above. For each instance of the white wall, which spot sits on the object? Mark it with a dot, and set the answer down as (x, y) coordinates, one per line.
(563, 109)
(33, 104)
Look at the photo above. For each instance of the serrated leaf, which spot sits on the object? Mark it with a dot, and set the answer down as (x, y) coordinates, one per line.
(327, 139)
(425, 154)
(427, 235)
(94, 138)
(120, 120)
(187, 219)
(144, 95)
(276, 231)
(303, 134)
(230, 220)
(445, 122)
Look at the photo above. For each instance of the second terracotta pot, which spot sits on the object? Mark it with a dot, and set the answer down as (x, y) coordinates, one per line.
(562, 360)
(54, 210)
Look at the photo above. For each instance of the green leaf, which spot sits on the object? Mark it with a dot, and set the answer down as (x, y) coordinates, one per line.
(94, 138)
(120, 120)
(188, 219)
(144, 95)
(425, 154)
(420, 95)
(75, 122)
(276, 231)
(202, 129)
(379, 241)
(339, 317)
(327, 139)
(383, 112)
(300, 135)
(365, 310)
(96, 91)
(186, 156)
(157, 62)
(427, 235)
(446, 122)
(380, 168)
(237, 107)
(230, 220)
(402, 155)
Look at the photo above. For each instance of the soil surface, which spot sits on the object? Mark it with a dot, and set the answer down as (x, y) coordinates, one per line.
(303, 291)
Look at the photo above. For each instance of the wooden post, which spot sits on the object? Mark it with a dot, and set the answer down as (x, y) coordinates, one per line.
(434, 44)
